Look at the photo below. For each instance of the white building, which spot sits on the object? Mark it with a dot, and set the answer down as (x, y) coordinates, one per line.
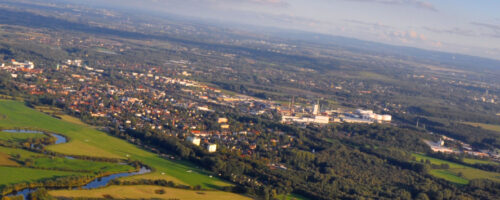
(369, 114)
(194, 140)
(27, 64)
(306, 120)
(212, 148)
(316, 109)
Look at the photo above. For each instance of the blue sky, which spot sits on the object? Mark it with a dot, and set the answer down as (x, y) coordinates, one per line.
(461, 26)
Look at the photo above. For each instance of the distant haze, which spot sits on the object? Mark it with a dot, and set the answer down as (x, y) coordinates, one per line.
(458, 26)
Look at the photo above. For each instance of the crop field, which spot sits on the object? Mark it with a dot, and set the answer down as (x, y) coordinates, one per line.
(146, 192)
(458, 173)
(85, 140)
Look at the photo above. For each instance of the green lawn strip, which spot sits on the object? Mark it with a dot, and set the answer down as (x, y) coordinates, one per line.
(13, 175)
(449, 176)
(79, 165)
(437, 161)
(95, 143)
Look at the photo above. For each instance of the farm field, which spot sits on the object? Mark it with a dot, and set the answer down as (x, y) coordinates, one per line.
(85, 140)
(453, 173)
(147, 192)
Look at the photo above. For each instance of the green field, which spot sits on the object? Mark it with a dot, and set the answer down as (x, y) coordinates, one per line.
(85, 140)
(12, 175)
(77, 165)
(19, 137)
(453, 173)
(21, 152)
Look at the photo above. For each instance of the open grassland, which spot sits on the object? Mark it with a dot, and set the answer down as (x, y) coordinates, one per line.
(19, 137)
(146, 192)
(458, 173)
(85, 140)
(80, 165)
(12, 175)
(491, 127)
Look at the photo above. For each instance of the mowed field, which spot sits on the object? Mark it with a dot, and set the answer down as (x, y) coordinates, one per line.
(147, 191)
(85, 140)
(452, 174)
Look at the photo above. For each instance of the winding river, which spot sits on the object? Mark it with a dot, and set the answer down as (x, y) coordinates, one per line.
(96, 183)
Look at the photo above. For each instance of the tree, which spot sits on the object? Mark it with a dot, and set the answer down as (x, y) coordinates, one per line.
(422, 196)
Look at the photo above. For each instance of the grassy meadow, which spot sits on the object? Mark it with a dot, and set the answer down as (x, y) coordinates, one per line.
(66, 164)
(12, 175)
(458, 173)
(19, 137)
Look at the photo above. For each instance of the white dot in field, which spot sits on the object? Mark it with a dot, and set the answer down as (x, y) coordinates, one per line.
(163, 173)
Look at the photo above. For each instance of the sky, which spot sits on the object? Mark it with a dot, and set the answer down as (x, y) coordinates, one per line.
(460, 26)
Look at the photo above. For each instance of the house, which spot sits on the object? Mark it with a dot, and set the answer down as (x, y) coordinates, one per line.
(212, 148)
(222, 120)
(194, 140)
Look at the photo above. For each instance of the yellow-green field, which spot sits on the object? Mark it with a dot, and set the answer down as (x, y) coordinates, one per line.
(453, 173)
(6, 161)
(87, 141)
(147, 192)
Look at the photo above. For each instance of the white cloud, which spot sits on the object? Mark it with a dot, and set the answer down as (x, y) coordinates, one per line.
(414, 3)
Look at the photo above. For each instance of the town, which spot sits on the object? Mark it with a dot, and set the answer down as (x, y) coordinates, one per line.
(156, 102)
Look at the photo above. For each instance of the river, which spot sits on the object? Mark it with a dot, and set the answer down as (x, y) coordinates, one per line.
(97, 183)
